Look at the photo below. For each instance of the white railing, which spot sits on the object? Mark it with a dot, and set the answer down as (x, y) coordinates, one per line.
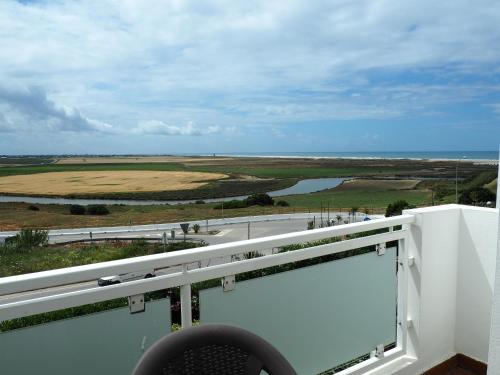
(181, 276)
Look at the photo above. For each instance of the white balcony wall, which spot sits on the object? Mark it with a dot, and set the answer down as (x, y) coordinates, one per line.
(475, 280)
(451, 284)
(494, 349)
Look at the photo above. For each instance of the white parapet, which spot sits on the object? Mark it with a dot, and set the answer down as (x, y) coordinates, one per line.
(450, 288)
(494, 344)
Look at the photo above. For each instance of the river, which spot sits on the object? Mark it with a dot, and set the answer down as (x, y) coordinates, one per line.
(302, 187)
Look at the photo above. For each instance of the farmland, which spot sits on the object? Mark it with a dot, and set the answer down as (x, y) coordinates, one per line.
(374, 195)
(372, 184)
(67, 183)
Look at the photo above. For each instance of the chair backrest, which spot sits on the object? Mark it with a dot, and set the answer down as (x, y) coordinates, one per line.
(212, 349)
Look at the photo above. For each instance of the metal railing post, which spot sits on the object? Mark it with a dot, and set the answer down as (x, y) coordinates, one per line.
(186, 315)
(402, 299)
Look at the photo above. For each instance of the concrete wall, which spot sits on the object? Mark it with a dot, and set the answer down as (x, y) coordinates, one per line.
(475, 281)
(451, 285)
(432, 286)
(494, 353)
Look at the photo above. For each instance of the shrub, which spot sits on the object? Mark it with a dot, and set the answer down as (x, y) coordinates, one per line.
(26, 239)
(76, 209)
(478, 196)
(282, 204)
(97, 209)
(260, 200)
(396, 208)
(310, 225)
(231, 204)
(33, 208)
(137, 247)
(196, 228)
(442, 191)
(200, 201)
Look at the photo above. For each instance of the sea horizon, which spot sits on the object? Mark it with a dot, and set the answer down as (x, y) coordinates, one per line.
(410, 155)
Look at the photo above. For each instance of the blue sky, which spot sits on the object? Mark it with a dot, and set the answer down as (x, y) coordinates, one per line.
(103, 76)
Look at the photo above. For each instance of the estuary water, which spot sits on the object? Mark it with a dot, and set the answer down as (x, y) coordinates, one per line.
(302, 187)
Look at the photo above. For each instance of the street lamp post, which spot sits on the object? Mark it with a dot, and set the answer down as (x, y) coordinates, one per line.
(456, 178)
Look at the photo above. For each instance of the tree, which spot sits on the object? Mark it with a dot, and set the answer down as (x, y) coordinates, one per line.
(478, 196)
(282, 204)
(396, 208)
(97, 209)
(196, 228)
(231, 204)
(260, 200)
(185, 228)
(76, 209)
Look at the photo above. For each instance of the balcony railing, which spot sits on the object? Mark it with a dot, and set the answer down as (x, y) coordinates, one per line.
(349, 294)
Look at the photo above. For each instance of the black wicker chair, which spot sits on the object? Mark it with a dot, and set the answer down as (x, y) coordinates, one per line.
(212, 349)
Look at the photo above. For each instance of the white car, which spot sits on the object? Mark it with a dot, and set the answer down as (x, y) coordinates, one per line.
(123, 278)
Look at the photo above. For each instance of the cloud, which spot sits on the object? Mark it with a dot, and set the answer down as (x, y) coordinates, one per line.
(242, 65)
(155, 127)
(30, 109)
(495, 107)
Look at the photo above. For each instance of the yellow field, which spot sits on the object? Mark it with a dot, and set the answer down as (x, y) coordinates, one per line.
(64, 183)
(134, 159)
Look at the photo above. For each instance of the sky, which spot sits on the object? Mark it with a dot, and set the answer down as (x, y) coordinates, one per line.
(163, 77)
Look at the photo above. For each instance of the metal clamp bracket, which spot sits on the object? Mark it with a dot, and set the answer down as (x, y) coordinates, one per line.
(380, 248)
(136, 304)
(378, 352)
(228, 283)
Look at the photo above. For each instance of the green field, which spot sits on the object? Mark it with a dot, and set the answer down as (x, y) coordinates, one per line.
(12, 160)
(299, 172)
(258, 171)
(492, 185)
(361, 199)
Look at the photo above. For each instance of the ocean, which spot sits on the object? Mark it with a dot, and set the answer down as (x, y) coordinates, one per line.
(417, 155)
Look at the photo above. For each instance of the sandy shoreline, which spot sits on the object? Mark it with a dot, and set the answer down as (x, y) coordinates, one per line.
(475, 161)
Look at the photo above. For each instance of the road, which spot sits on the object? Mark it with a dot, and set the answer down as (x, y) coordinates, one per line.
(226, 233)
(136, 230)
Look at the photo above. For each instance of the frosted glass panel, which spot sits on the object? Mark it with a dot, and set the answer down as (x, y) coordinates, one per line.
(106, 343)
(320, 316)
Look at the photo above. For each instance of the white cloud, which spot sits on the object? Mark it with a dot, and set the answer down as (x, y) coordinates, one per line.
(495, 107)
(156, 127)
(239, 63)
(30, 110)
